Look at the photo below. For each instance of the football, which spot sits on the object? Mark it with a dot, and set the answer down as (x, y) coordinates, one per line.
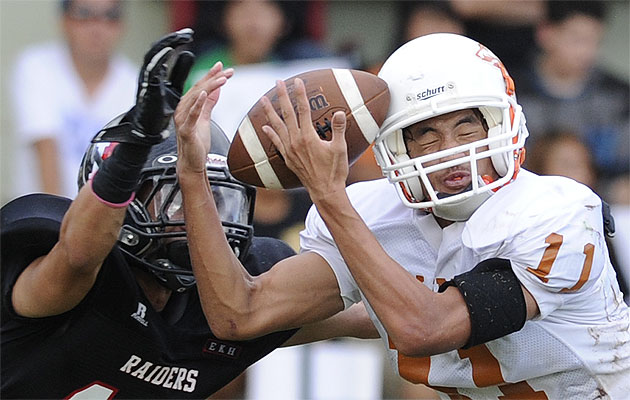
(363, 97)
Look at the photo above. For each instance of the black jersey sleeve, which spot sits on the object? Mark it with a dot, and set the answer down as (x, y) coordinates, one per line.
(29, 228)
(264, 253)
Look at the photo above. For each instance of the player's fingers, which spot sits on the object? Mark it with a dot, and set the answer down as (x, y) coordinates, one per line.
(203, 82)
(275, 139)
(339, 129)
(303, 108)
(213, 97)
(212, 72)
(216, 70)
(183, 108)
(159, 59)
(186, 121)
(275, 121)
(211, 100)
(214, 79)
(202, 126)
(288, 114)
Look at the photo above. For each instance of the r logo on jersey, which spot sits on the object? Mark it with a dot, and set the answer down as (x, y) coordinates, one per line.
(140, 314)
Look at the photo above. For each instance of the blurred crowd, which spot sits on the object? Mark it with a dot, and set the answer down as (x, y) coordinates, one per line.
(577, 115)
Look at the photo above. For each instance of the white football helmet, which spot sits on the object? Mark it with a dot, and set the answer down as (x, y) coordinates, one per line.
(438, 74)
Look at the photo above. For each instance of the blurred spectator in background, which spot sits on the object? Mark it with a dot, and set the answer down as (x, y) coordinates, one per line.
(416, 19)
(564, 153)
(424, 17)
(263, 40)
(419, 18)
(246, 32)
(506, 26)
(562, 88)
(65, 91)
(619, 194)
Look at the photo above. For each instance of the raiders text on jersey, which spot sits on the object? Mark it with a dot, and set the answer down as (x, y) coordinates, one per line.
(176, 378)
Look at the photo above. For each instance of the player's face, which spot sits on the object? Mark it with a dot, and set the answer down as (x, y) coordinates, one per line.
(445, 132)
(173, 211)
(93, 28)
(573, 45)
(253, 27)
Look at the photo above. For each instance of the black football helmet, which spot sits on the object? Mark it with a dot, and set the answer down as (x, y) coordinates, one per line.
(153, 233)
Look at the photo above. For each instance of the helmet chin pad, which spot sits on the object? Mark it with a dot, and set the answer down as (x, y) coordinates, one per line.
(462, 210)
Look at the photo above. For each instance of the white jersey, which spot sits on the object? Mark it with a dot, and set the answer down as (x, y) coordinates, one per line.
(551, 230)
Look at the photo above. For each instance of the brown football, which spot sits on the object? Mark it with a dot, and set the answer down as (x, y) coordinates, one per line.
(363, 96)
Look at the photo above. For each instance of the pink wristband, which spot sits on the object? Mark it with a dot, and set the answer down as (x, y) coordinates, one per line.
(108, 203)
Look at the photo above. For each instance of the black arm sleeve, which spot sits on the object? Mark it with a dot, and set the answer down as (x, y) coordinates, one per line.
(494, 298)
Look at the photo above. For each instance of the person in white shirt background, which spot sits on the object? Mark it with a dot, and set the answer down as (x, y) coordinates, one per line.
(68, 89)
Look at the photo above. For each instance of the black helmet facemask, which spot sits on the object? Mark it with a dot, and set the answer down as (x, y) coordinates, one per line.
(153, 234)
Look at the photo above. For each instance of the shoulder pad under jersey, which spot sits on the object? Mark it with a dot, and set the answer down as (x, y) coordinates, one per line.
(31, 223)
(264, 253)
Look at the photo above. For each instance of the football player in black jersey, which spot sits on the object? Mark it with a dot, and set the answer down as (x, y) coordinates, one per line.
(96, 293)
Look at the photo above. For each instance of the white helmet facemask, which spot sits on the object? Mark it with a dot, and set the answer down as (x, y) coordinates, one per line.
(439, 74)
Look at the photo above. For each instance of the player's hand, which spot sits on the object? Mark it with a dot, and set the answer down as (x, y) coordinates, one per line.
(321, 166)
(192, 120)
(160, 86)
(161, 82)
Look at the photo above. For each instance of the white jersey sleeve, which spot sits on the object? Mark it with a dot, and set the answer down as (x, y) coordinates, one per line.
(377, 203)
(316, 237)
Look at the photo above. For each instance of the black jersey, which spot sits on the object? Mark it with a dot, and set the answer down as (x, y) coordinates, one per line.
(114, 344)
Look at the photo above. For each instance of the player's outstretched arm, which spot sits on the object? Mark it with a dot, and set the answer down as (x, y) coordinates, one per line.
(298, 290)
(58, 281)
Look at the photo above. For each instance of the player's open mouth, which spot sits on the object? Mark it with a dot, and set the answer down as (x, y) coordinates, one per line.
(456, 181)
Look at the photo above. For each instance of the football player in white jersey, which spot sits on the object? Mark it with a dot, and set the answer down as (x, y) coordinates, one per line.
(485, 281)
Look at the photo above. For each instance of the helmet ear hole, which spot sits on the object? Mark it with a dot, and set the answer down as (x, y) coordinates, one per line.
(494, 119)
(412, 185)
(396, 144)
(398, 147)
(499, 160)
